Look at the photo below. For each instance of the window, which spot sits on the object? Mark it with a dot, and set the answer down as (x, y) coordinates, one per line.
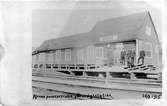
(99, 51)
(148, 49)
(68, 55)
(90, 51)
(58, 55)
(148, 53)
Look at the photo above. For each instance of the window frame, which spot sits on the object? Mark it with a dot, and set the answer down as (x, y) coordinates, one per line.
(99, 52)
(66, 54)
(149, 50)
(146, 50)
(58, 55)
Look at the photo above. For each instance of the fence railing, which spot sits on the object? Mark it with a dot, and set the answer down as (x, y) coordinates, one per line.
(109, 72)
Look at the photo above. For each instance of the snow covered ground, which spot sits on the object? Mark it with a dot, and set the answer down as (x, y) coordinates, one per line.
(78, 88)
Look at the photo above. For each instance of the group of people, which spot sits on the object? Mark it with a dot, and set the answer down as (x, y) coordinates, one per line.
(128, 57)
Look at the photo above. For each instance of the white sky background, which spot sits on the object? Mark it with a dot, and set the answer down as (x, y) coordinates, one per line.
(53, 23)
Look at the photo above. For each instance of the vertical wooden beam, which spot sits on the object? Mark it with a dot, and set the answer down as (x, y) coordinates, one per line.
(71, 72)
(137, 50)
(107, 77)
(132, 75)
(84, 74)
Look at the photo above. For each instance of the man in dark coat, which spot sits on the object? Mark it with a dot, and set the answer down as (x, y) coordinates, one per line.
(141, 57)
(129, 58)
(133, 54)
(123, 55)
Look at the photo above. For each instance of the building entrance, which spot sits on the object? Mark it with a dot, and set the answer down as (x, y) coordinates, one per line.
(122, 54)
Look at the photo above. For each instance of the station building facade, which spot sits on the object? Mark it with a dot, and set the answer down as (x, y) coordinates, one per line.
(104, 44)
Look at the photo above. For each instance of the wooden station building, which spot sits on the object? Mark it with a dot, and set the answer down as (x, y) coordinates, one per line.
(103, 45)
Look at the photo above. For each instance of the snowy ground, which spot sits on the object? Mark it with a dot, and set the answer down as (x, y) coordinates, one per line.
(75, 89)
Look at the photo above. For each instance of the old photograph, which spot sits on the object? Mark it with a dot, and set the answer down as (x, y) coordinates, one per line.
(96, 54)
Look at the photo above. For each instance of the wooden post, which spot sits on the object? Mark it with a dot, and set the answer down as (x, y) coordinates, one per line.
(84, 74)
(107, 77)
(71, 72)
(132, 75)
(137, 51)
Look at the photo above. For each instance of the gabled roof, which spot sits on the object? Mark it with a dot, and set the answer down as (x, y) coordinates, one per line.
(123, 28)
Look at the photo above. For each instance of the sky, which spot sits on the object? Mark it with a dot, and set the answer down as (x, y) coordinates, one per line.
(54, 23)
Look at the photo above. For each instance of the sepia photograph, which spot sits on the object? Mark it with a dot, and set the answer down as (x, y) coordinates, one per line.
(83, 53)
(97, 54)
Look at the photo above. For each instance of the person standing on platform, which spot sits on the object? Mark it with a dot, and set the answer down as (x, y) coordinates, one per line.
(133, 54)
(129, 58)
(141, 57)
(123, 55)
